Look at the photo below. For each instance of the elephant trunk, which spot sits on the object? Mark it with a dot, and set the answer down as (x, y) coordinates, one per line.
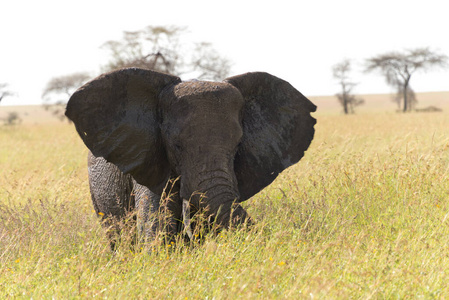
(217, 195)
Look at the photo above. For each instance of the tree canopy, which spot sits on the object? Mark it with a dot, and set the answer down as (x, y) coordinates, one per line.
(162, 49)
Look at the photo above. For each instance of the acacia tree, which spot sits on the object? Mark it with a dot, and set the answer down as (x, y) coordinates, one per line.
(154, 48)
(208, 62)
(398, 68)
(345, 97)
(59, 89)
(160, 48)
(12, 119)
(411, 97)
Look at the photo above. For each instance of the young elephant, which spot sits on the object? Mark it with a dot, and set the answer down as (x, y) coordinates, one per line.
(226, 140)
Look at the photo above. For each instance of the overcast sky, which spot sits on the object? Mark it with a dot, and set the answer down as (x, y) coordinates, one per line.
(298, 41)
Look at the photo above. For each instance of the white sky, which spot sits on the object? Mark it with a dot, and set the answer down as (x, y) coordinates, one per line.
(298, 41)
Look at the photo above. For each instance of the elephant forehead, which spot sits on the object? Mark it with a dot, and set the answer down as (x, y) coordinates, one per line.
(196, 90)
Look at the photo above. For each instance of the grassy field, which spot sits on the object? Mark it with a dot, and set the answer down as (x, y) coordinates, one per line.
(364, 215)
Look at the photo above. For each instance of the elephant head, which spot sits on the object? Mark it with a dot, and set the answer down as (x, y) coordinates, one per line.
(227, 140)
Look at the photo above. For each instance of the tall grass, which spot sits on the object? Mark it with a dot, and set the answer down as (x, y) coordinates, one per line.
(363, 215)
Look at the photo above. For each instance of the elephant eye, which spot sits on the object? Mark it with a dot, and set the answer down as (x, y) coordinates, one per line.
(178, 147)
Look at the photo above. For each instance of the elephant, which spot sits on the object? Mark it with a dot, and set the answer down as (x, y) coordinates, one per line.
(212, 144)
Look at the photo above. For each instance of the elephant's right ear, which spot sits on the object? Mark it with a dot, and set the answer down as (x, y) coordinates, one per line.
(116, 115)
(277, 130)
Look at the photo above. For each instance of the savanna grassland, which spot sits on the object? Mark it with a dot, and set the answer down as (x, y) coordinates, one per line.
(365, 214)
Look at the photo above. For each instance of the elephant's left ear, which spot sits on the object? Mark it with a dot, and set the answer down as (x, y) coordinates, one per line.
(277, 129)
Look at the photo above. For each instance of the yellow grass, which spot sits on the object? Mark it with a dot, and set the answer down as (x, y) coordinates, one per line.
(363, 215)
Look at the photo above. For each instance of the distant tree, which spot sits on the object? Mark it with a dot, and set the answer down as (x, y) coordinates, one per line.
(4, 92)
(398, 68)
(345, 97)
(411, 97)
(59, 89)
(12, 119)
(160, 48)
(208, 62)
(154, 48)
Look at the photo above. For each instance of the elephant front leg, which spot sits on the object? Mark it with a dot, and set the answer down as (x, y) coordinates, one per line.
(147, 205)
(159, 216)
(111, 193)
